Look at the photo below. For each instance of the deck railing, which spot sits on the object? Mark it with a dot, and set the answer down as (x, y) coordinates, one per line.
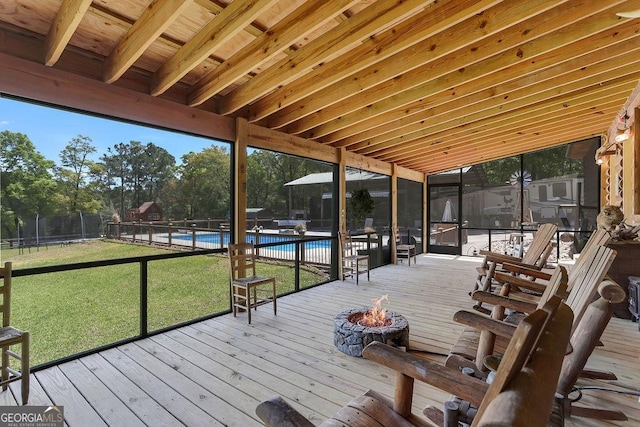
(131, 304)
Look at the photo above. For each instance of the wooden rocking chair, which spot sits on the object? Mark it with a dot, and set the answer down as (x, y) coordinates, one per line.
(535, 257)
(520, 395)
(590, 320)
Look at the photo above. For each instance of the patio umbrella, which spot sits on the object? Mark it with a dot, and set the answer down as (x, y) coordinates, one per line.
(447, 216)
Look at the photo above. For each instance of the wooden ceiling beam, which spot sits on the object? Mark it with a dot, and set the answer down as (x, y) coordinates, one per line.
(144, 31)
(427, 58)
(329, 45)
(518, 104)
(67, 20)
(455, 85)
(544, 36)
(589, 129)
(490, 129)
(229, 22)
(561, 78)
(295, 26)
(512, 141)
(435, 18)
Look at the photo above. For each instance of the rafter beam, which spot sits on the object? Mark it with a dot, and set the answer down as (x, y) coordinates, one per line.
(67, 20)
(520, 44)
(519, 138)
(505, 103)
(592, 33)
(233, 19)
(435, 18)
(145, 30)
(329, 45)
(294, 26)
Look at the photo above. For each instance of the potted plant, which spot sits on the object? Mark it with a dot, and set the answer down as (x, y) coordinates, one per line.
(362, 204)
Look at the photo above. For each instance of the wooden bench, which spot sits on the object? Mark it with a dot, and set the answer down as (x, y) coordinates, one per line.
(521, 394)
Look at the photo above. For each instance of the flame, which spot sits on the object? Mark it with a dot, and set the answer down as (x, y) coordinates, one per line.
(377, 316)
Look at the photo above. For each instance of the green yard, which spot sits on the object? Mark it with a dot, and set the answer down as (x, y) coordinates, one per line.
(73, 311)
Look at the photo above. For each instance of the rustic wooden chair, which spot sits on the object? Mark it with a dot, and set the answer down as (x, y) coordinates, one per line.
(583, 283)
(10, 336)
(245, 284)
(535, 257)
(403, 250)
(350, 260)
(520, 395)
(590, 320)
(598, 238)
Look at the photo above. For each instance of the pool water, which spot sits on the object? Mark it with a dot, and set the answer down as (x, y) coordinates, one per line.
(214, 238)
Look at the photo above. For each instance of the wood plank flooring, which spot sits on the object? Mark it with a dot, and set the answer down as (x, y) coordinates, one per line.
(216, 372)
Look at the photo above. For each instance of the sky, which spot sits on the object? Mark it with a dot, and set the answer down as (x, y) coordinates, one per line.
(51, 129)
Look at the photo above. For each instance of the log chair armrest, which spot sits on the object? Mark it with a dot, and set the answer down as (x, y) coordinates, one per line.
(520, 282)
(611, 291)
(503, 301)
(481, 322)
(276, 412)
(526, 270)
(447, 379)
(499, 258)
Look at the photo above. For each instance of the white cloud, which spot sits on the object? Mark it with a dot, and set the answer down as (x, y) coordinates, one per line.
(4, 122)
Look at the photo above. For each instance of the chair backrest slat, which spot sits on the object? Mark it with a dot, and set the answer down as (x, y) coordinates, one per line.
(585, 279)
(5, 291)
(242, 259)
(541, 241)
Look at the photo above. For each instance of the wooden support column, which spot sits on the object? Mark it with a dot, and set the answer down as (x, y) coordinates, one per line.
(342, 197)
(634, 165)
(240, 189)
(240, 179)
(425, 215)
(394, 208)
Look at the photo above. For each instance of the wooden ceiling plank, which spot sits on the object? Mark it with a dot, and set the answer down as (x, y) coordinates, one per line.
(536, 126)
(435, 18)
(488, 130)
(295, 26)
(579, 72)
(494, 124)
(544, 118)
(519, 100)
(233, 19)
(145, 30)
(67, 20)
(487, 73)
(507, 148)
(212, 6)
(358, 27)
(466, 45)
(412, 86)
(589, 129)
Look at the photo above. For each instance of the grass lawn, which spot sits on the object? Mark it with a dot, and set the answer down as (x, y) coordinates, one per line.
(69, 312)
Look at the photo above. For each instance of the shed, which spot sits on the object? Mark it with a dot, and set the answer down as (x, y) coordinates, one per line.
(148, 211)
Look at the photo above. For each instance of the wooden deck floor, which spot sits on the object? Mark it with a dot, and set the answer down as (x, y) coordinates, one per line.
(216, 372)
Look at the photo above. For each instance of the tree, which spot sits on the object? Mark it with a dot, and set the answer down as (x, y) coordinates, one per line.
(26, 183)
(136, 173)
(74, 173)
(205, 183)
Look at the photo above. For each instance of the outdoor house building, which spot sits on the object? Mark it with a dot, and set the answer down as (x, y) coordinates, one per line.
(470, 123)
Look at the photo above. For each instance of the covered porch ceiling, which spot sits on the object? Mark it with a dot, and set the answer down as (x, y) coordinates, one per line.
(425, 85)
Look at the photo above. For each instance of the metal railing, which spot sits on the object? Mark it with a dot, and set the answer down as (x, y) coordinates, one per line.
(299, 255)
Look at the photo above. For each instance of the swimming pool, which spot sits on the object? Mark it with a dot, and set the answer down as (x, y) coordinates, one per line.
(214, 239)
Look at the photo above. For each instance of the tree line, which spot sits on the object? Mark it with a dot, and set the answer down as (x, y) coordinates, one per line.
(131, 173)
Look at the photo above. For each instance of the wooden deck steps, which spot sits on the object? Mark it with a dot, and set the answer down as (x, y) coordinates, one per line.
(216, 372)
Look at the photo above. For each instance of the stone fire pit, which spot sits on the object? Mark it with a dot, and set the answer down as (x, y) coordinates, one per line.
(351, 338)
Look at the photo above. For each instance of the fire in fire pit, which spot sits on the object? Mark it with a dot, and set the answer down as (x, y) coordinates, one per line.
(354, 329)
